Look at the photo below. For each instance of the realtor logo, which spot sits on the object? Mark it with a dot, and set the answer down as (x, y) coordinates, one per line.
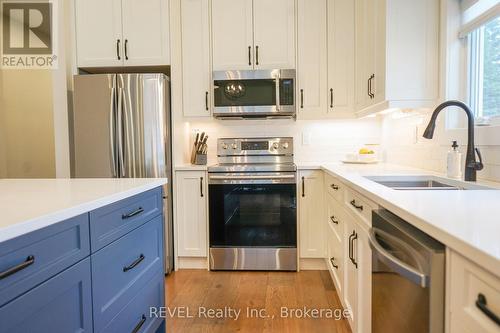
(28, 37)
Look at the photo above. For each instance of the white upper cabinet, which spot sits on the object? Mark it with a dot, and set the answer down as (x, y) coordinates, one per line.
(232, 33)
(196, 74)
(99, 33)
(397, 54)
(341, 29)
(253, 34)
(146, 32)
(122, 33)
(312, 59)
(325, 64)
(274, 33)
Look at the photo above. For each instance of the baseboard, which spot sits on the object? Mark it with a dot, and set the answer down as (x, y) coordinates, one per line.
(192, 263)
(312, 264)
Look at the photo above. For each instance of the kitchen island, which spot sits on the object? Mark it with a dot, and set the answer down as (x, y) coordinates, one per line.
(81, 255)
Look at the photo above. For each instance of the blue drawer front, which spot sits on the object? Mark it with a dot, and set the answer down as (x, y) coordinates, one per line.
(62, 304)
(53, 249)
(113, 221)
(112, 286)
(152, 294)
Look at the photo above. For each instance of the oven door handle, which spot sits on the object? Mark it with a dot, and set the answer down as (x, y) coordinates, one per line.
(257, 177)
(394, 263)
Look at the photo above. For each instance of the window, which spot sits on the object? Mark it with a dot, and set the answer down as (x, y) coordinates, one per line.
(484, 70)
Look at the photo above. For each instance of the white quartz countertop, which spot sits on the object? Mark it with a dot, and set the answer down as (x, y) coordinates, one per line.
(31, 204)
(466, 221)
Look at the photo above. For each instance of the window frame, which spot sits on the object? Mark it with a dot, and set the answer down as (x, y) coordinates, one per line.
(474, 71)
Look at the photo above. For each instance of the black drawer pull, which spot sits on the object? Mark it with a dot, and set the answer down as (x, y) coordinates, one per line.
(139, 324)
(335, 187)
(132, 214)
(334, 220)
(359, 207)
(30, 260)
(135, 263)
(332, 260)
(483, 306)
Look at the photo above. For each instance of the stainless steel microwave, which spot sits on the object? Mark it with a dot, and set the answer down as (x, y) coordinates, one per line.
(254, 94)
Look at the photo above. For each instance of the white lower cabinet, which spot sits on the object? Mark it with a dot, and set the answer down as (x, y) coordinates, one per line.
(191, 219)
(335, 235)
(312, 240)
(358, 272)
(474, 297)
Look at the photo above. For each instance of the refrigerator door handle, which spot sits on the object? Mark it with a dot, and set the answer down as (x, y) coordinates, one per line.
(120, 133)
(112, 133)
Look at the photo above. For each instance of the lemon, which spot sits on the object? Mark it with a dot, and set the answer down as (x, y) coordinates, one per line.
(365, 151)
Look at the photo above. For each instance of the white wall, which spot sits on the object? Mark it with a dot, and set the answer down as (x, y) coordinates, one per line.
(27, 124)
(403, 144)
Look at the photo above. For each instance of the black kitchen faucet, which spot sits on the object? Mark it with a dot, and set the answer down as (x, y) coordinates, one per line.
(471, 165)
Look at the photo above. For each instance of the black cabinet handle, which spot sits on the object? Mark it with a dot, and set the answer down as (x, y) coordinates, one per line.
(482, 304)
(370, 87)
(331, 98)
(139, 324)
(334, 187)
(118, 49)
(206, 100)
(350, 245)
(257, 55)
(352, 251)
(126, 49)
(303, 187)
(249, 56)
(332, 260)
(332, 218)
(201, 187)
(135, 263)
(358, 207)
(301, 98)
(30, 260)
(133, 213)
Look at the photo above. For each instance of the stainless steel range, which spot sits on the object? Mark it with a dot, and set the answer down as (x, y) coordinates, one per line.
(253, 205)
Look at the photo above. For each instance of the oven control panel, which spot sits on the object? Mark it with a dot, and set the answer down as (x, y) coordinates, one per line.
(255, 146)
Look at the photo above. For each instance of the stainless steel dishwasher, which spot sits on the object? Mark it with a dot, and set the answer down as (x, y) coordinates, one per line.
(408, 272)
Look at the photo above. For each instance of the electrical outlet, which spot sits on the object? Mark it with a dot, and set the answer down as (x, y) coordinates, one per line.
(306, 138)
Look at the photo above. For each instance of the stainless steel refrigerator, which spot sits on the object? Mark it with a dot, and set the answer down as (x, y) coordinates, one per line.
(121, 128)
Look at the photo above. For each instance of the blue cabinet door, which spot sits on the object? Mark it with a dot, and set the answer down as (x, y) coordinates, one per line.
(62, 304)
(139, 314)
(120, 269)
(111, 222)
(49, 250)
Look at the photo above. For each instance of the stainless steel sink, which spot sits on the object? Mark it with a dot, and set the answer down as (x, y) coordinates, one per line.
(412, 183)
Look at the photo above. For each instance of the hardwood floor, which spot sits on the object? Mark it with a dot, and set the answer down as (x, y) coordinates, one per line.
(199, 291)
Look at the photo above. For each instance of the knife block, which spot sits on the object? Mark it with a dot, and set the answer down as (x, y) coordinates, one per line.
(200, 159)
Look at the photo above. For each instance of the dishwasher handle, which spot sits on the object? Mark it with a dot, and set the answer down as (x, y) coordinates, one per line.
(394, 263)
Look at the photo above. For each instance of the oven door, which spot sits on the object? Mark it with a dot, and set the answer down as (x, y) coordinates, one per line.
(254, 94)
(257, 210)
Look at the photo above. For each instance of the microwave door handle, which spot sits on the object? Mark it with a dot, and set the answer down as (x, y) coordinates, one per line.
(277, 86)
(394, 263)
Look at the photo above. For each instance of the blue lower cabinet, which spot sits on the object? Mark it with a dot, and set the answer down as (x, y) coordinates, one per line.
(62, 304)
(137, 315)
(33, 258)
(120, 269)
